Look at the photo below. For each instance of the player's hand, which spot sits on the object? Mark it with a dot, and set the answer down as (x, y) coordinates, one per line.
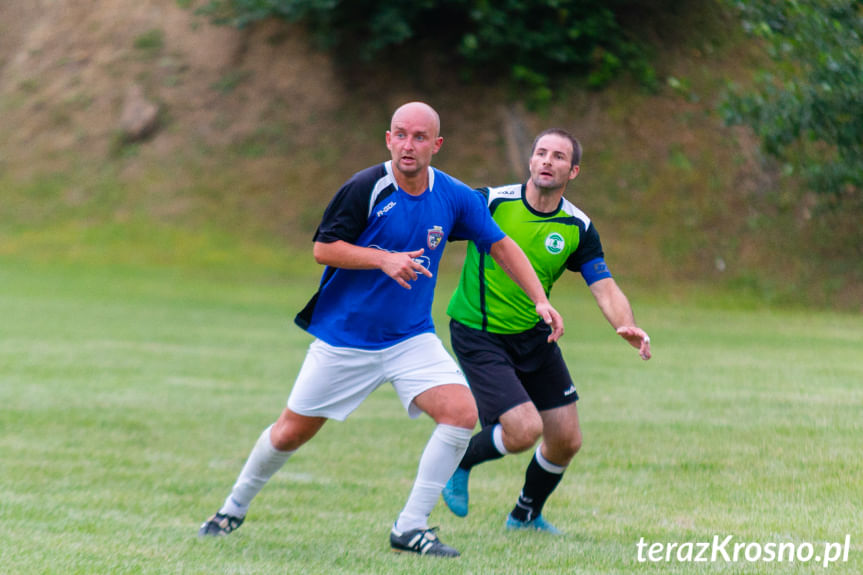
(637, 338)
(403, 267)
(550, 316)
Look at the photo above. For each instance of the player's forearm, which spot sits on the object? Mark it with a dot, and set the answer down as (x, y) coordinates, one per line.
(341, 254)
(613, 303)
(511, 258)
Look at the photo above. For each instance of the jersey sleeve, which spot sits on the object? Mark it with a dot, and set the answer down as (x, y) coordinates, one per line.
(589, 249)
(483, 192)
(595, 270)
(475, 222)
(346, 215)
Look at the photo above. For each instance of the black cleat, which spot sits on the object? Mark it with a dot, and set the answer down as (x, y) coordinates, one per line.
(219, 524)
(421, 542)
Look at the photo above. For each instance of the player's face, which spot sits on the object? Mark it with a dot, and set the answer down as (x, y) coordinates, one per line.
(413, 139)
(551, 163)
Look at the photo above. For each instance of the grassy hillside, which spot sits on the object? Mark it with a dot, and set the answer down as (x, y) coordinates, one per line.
(257, 129)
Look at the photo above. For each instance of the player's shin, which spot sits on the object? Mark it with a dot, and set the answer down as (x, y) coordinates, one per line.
(440, 457)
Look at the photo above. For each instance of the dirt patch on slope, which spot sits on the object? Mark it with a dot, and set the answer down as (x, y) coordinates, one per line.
(67, 64)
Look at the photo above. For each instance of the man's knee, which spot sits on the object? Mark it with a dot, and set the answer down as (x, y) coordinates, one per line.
(562, 433)
(561, 449)
(461, 412)
(449, 404)
(520, 434)
(571, 441)
(292, 430)
(574, 445)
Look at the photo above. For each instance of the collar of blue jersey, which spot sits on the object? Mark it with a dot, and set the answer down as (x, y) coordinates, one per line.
(388, 166)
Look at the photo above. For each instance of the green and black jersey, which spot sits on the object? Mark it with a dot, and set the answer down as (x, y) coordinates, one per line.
(486, 297)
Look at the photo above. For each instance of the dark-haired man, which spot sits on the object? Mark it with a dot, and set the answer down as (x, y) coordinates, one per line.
(518, 376)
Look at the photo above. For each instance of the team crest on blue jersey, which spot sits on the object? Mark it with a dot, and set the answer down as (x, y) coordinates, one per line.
(434, 237)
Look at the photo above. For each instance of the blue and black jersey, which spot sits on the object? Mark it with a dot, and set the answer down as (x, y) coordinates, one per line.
(367, 309)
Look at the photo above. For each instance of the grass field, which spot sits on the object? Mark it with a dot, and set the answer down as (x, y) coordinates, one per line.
(130, 397)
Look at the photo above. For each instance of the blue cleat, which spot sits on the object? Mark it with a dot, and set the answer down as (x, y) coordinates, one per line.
(537, 524)
(455, 492)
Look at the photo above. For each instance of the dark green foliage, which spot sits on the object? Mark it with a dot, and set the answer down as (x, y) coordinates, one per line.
(550, 38)
(808, 109)
(150, 42)
(532, 42)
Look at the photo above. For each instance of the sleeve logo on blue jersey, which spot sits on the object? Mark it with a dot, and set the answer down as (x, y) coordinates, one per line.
(554, 243)
(435, 236)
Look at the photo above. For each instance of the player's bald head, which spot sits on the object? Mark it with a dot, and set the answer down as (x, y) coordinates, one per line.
(413, 112)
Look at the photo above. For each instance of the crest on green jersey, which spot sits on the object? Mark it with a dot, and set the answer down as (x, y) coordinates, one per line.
(554, 243)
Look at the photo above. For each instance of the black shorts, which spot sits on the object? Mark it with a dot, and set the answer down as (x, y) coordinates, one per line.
(505, 370)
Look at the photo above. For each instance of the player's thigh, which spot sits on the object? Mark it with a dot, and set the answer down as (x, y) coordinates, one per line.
(450, 404)
(522, 426)
(427, 378)
(547, 379)
(490, 373)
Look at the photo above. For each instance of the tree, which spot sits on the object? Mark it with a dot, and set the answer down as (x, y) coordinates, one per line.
(808, 108)
(532, 42)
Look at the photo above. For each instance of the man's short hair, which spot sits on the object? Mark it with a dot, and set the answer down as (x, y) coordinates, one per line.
(576, 145)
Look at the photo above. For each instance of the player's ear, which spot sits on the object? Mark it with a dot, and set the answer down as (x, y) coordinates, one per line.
(437, 144)
(573, 172)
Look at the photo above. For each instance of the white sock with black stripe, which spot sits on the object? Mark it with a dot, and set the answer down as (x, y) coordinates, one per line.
(497, 439)
(540, 480)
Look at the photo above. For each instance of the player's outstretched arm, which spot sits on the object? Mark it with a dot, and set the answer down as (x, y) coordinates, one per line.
(400, 266)
(617, 310)
(511, 258)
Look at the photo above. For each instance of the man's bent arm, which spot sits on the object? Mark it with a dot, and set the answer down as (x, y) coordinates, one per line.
(400, 266)
(513, 261)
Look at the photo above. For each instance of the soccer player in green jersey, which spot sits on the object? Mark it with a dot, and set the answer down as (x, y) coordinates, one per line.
(518, 377)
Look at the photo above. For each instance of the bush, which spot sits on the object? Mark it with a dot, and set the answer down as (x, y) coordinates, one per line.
(808, 108)
(532, 42)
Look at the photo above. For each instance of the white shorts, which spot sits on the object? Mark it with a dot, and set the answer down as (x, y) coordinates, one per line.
(334, 381)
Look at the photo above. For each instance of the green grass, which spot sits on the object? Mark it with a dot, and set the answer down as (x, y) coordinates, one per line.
(131, 395)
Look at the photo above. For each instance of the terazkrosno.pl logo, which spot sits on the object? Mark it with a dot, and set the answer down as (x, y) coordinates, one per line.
(554, 243)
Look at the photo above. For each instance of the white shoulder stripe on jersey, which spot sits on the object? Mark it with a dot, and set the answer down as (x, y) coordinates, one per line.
(510, 192)
(570, 209)
(513, 191)
(390, 180)
(382, 184)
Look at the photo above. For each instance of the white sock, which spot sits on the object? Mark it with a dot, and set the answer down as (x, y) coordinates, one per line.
(262, 463)
(442, 453)
(497, 439)
(548, 465)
